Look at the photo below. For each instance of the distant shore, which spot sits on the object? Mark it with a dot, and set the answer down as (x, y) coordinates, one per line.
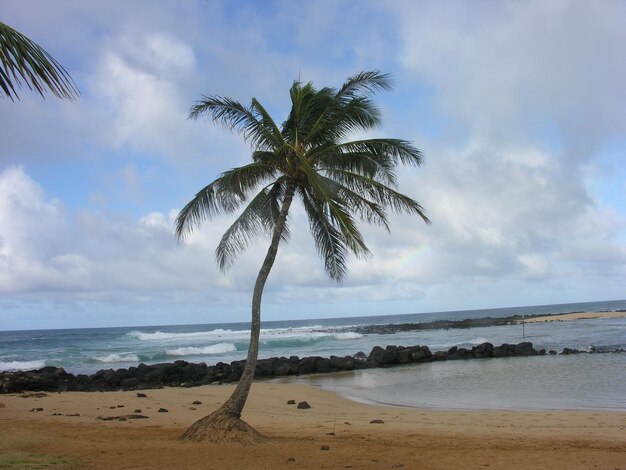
(393, 328)
(105, 430)
(575, 316)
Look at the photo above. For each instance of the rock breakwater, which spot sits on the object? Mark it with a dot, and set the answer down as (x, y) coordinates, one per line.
(186, 374)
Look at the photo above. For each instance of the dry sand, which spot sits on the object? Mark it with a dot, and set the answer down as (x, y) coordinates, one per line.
(576, 316)
(407, 438)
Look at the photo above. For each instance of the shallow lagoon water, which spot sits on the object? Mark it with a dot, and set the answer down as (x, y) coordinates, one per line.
(563, 382)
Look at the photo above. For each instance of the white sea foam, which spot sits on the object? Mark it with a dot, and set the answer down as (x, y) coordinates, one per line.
(196, 335)
(213, 335)
(347, 335)
(21, 365)
(124, 357)
(441, 345)
(219, 348)
(477, 341)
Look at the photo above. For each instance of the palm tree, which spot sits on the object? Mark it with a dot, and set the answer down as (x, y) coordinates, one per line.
(23, 59)
(306, 158)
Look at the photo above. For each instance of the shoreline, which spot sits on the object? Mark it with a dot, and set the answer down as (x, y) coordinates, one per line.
(574, 316)
(407, 437)
(392, 328)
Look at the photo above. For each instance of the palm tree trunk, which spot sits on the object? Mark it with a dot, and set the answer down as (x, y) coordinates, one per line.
(219, 424)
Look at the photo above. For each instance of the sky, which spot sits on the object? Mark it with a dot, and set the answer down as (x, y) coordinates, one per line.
(518, 107)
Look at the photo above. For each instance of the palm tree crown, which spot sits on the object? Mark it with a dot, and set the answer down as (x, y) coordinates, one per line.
(337, 181)
(307, 157)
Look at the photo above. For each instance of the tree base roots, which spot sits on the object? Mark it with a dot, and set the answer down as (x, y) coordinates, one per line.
(222, 427)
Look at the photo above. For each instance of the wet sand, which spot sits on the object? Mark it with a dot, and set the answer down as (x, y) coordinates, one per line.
(407, 438)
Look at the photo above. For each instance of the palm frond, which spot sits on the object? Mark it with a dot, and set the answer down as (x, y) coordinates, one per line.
(350, 108)
(356, 199)
(366, 81)
(389, 152)
(24, 60)
(379, 193)
(259, 130)
(327, 196)
(256, 219)
(328, 240)
(224, 194)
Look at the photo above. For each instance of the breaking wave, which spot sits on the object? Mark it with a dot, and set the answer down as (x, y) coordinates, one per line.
(129, 357)
(10, 366)
(219, 348)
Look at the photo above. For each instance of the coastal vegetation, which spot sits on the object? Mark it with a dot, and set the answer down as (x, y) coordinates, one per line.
(309, 158)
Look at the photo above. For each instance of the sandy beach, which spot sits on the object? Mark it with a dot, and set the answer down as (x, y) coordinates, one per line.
(67, 433)
(576, 316)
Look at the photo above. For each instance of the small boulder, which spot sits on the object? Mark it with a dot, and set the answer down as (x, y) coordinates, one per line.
(162, 410)
(303, 405)
(291, 402)
(377, 421)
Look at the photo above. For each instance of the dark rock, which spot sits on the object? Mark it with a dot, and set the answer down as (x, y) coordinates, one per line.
(404, 356)
(283, 369)
(322, 365)
(525, 349)
(141, 395)
(308, 365)
(129, 383)
(265, 368)
(360, 356)
(440, 356)
(455, 353)
(504, 350)
(380, 357)
(325, 448)
(420, 354)
(303, 405)
(196, 402)
(162, 410)
(341, 363)
(377, 421)
(482, 351)
(291, 402)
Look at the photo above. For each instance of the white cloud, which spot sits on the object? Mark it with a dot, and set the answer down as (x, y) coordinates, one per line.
(507, 68)
(518, 101)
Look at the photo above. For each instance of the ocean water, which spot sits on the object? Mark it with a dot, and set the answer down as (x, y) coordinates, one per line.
(595, 381)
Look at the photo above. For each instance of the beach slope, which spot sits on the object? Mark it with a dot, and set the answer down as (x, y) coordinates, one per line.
(66, 430)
